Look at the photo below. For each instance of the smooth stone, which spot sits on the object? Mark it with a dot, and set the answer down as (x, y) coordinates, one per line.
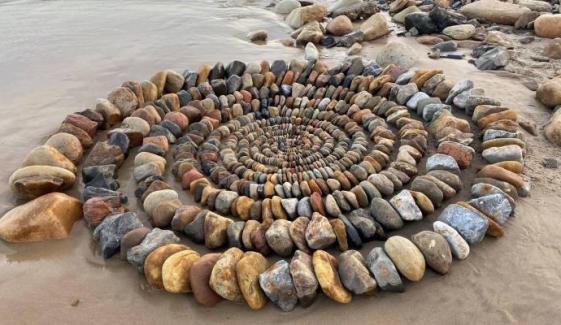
(495, 206)
(435, 249)
(325, 268)
(396, 53)
(458, 245)
(195, 230)
(176, 271)
(234, 234)
(223, 279)
(68, 145)
(363, 223)
(201, 271)
(407, 258)
(505, 153)
(354, 273)
(383, 212)
(248, 269)
(47, 217)
(154, 262)
(131, 239)
(224, 201)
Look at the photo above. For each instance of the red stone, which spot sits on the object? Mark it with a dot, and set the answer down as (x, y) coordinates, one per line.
(178, 118)
(189, 177)
(97, 208)
(83, 123)
(317, 203)
(461, 153)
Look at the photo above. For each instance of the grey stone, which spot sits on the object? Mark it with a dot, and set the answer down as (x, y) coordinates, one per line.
(195, 229)
(405, 92)
(278, 286)
(290, 206)
(469, 224)
(224, 201)
(154, 239)
(112, 229)
(405, 205)
(504, 153)
(442, 162)
(458, 88)
(414, 100)
(354, 274)
(496, 206)
(303, 277)
(304, 208)
(383, 212)
(278, 237)
(493, 59)
(234, 233)
(363, 223)
(384, 270)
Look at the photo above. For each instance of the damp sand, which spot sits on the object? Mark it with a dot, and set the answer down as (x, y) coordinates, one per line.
(57, 57)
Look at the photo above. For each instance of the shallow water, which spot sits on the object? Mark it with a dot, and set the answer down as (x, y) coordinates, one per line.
(57, 57)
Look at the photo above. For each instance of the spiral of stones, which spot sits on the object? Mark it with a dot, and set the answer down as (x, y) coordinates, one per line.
(303, 157)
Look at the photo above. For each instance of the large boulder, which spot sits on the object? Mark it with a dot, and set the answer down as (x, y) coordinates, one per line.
(50, 216)
(396, 53)
(548, 26)
(553, 128)
(549, 92)
(494, 11)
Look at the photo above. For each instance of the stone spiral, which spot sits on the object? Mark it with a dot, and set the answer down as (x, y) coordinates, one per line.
(287, 159)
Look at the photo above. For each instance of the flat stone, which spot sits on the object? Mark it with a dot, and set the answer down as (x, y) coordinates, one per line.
(325, 268)
(303, 278)
(458, 245)
(154, 239)
(354, 274)
(405, 205)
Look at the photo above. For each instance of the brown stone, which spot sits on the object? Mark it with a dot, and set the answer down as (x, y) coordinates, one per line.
(50, 216)
(215, 228)
(97, 208)
(131, 239)
(199, 279)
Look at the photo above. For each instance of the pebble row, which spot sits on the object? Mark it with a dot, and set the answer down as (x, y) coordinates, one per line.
(302, 155)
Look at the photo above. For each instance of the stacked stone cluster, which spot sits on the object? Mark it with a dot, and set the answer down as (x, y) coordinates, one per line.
(290, 159)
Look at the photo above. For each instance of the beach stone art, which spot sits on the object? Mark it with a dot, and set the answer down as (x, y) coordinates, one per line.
(292, 159)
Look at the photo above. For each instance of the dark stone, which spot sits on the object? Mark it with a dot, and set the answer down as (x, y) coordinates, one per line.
(443, 18)
(112, 229)
(351, 38)
(152, 148)
(363, 223)
(91, 192)
(422, 22)
(236, 68)
(195, 230)
(383, 212)
(353, 236)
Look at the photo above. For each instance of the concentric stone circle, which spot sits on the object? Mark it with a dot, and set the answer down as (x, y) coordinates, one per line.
(287, 159)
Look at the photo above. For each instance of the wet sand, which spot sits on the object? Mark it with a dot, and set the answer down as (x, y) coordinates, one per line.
(57, 57)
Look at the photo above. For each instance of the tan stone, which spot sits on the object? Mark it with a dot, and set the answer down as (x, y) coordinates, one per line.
(50, 216)
(223, 279)
(325, 268)
(155, 260)
(176, 271)
(247, 271)
(406, 256)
